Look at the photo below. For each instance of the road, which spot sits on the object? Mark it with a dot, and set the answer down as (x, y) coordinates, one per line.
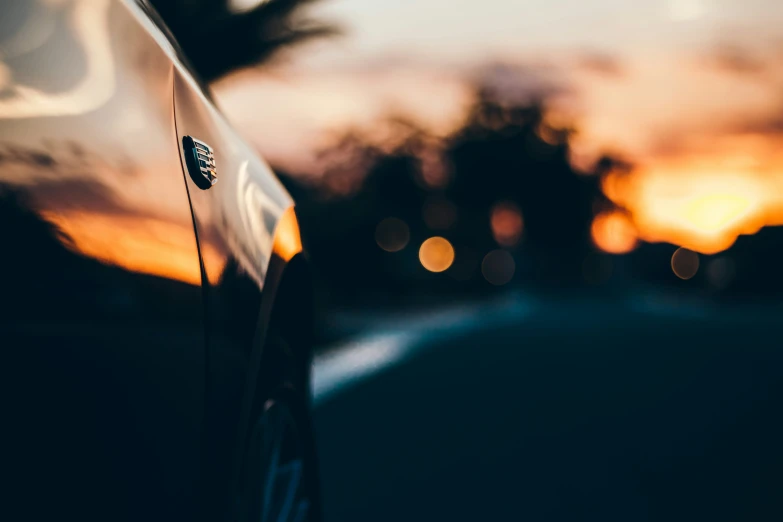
(641, 409)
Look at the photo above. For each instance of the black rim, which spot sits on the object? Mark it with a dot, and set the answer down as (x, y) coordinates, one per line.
(276, 486)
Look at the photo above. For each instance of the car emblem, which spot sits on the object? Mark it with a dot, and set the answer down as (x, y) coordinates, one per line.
(200, 161)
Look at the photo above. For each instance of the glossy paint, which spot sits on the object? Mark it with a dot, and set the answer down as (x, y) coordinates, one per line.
(236, 222)
(129, 320)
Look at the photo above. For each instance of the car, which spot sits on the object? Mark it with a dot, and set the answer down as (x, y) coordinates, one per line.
(156, 304)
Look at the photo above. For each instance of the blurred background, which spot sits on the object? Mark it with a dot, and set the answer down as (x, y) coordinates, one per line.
(450, 151)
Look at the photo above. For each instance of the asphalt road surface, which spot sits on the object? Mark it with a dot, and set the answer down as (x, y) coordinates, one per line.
(523, 409)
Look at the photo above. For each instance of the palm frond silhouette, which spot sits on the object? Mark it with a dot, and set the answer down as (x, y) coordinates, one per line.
(216, 39)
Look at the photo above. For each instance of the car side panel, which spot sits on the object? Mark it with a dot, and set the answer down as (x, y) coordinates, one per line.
(102, 352)
(247, 231)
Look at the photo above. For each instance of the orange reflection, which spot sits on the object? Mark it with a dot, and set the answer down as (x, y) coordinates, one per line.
(436, 254)
(614, 233)
(145, 245)
(288, 242)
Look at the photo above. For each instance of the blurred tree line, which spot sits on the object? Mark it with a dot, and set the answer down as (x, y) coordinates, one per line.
(501, 182)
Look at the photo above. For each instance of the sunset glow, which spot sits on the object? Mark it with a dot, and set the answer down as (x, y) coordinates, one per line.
(688, 91)
(703, 206)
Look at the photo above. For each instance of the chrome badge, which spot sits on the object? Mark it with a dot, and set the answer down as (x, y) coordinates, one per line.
(200, 161)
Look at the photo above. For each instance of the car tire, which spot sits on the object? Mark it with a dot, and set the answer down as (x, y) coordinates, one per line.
(280, 481)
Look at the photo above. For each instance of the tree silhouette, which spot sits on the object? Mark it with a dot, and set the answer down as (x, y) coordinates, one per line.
(504, 153)
(217, 39)
(510, 153)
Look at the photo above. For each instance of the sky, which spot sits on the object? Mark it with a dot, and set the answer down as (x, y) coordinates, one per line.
(691, 91)
(458, 28)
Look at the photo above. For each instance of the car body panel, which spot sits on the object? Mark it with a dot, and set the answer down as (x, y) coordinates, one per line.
(102, 314)
(237, 222)
(129, 320)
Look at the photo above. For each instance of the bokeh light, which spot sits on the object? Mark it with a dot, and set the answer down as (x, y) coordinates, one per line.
(507, 223)
(392, 234)
(614, 233)
(439, 213)
(720, 272)
(685, 263)
(498, 267)
(436, 254)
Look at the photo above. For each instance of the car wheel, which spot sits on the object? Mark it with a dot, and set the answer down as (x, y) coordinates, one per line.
(280, 480)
